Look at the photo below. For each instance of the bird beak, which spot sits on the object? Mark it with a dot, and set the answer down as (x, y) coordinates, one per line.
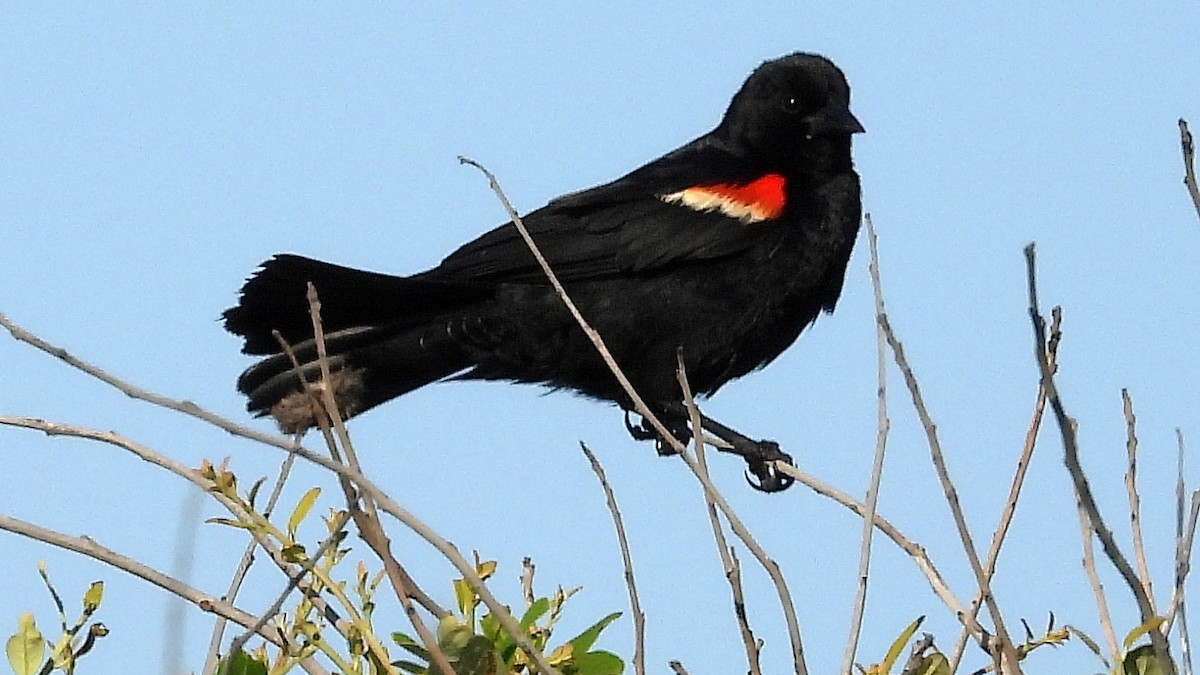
(834, 120)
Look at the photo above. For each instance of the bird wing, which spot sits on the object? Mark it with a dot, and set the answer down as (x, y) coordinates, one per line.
(695, 204)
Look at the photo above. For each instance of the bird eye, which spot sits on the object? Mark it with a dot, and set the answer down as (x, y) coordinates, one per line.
(791, 104)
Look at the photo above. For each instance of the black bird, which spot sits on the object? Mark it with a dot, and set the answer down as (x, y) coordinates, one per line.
(723, 250)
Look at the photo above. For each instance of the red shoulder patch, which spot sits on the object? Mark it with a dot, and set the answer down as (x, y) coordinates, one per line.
(761, 199)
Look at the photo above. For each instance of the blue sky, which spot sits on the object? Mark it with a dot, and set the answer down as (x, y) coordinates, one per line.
(150, 157)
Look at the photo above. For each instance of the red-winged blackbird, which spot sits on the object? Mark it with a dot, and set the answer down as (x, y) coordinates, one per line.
(724, 249)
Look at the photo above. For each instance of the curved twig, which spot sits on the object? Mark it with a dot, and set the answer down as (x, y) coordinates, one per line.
(639, 617)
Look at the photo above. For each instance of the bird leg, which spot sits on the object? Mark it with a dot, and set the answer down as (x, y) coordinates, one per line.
(759, 455)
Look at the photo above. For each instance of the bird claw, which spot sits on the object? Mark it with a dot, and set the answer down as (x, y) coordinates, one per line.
(640, 431)
(760, 456)
(770, 479)
(643, 431)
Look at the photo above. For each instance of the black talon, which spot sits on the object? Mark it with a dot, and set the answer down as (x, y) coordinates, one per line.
(640, 431)
(769, 478)
(644, 431)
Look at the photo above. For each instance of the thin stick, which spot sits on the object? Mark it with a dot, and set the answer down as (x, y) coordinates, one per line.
(1083, 491)
(1189, 163)
(1089, 567)
(729, 562)
(366, 519)
(1014, 490)
(1183, 557)
(678, 668)
(642, 409)
(914, 550)
(212, 660)
(881, 434)
(1185, 646)
(1010, 661)
(527, 581)
(1135, 502)
(639, 618)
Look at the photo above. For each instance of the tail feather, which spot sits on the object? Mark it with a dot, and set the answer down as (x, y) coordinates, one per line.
(275, 299)
(384, 336)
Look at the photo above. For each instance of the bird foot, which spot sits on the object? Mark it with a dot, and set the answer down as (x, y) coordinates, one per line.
(644, 431)
(762, 467)
(760, 455)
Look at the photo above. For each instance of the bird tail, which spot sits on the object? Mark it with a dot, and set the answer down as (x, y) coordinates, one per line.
(384, 336)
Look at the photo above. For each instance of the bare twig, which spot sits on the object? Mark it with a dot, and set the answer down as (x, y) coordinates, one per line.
(678, 668)
(729, 562)
(1183, 557)
(1185, 646)
(1010, 662)
(752, 645)
(527, 581)
(212, 658)
(915, 551)
(864, 557)
(1189, 163)
(1083, 491)
(1135, 510)
(183, 406)
(643, 410)
(366, 518)
(1014, 490)
(1089, 568)
(639, 618)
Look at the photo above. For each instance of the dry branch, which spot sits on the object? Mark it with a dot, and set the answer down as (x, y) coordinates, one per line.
(1189, 163)
(635, 607)
(1083, 491)
(864, 565)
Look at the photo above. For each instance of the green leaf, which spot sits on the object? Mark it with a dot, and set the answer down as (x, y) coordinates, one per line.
(897, 647)
(1091, 644)
(302, 508)
(599, 663)
(1141, 661)
(535, 612)
(231, 523)
(242, 663)
(26, 649)
(476, 658)
(93, 596)
(464, 596)
(485, 569)
(453, 635)
(409, 667)
(933, 664)
(490, 628)
(1141, 630)
(294, 553)
(583, 642)
(411, 645)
